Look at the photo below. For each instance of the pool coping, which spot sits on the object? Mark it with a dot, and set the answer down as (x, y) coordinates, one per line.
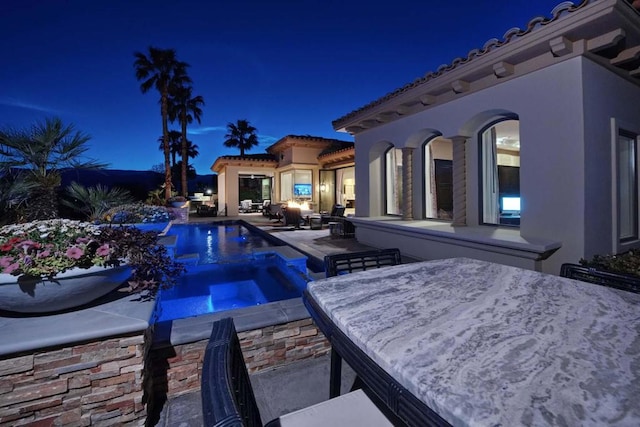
(116, 314)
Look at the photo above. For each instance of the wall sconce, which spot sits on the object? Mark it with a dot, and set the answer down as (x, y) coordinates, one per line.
(323, 187)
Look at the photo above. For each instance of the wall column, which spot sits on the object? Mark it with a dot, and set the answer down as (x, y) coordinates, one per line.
(459, 181)
(407, 183)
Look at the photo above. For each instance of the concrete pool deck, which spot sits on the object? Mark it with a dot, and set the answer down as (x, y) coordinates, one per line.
(291, 387)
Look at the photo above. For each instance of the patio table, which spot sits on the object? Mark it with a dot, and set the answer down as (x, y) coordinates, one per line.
(467, 342)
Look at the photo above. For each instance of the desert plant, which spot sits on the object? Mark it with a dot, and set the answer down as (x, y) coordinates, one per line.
(627, 262)
(42, 151)
(94, 202)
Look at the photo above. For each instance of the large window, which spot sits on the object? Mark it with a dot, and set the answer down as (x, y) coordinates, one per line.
(500, 173)
(393, 181)
(296, 185)
(627, 167)
(438, 179)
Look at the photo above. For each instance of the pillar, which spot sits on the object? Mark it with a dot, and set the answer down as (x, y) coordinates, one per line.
(407, 183)
(459, 181)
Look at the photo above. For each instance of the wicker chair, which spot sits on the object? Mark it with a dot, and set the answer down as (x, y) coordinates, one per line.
(228, 399)
(587, 274)
(293, 216)
(337, 264)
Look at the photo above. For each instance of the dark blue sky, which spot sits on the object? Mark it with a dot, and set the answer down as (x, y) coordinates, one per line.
(289, 67)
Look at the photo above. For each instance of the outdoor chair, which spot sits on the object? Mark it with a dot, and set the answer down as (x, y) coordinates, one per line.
(206, 210)
(246, 205)
(265, 207)
(336, 213)
(228, 399)
(604, 278)
(343, 263)
(293, 216)
(275, 212)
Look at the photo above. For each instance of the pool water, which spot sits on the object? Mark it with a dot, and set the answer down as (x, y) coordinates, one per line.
(214, 242)
(235, 269)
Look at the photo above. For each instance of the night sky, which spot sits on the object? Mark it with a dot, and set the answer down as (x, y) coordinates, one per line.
(289, 67)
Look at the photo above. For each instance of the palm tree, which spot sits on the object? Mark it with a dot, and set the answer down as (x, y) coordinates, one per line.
(185, 108)
(161, 70)
(241, 135)
(94, 202)
(42, 151)
(174, 145)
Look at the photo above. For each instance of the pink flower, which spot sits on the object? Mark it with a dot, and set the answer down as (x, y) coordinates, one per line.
(74, 252)
(11, 268)
(29, 244)
(103, 250)
(82, 240)
(5, 261)
(44, 254)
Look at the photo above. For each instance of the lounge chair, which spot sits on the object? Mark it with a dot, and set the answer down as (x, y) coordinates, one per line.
(228, 399)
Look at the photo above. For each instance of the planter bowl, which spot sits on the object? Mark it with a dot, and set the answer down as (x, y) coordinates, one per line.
(70, 289)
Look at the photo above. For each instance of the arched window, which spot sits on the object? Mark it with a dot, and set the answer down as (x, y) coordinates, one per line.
(393, 181)
(438, 179)
(500, 173)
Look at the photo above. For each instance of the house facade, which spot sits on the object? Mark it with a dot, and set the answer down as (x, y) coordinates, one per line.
(315, 170)
(525, 152)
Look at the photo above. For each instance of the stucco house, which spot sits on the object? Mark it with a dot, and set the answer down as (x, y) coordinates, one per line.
(524, 152)
(319, 171)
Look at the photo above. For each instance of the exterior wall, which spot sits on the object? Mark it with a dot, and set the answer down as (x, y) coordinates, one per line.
(305, 155)
(95, 383)
(548, 103)
(606, 96)
(178, 369)
(222, 191)
(228, 186)
(315, 173)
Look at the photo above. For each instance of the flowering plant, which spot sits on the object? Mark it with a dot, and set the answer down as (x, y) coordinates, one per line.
(135, 213)
(47, 247)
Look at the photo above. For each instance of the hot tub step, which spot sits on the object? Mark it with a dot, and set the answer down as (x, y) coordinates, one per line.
(188, 259)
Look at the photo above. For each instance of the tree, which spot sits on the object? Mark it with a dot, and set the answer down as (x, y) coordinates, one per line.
(174, 145)
(241, 135)
(161, 70)
(42, 151)
(185, 108)
(94, 202)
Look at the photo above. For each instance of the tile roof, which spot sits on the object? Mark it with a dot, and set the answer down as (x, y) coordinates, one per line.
(291, 140)
(559, 11)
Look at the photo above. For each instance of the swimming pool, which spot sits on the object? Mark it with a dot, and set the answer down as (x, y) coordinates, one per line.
(235, 267)
(216, 242)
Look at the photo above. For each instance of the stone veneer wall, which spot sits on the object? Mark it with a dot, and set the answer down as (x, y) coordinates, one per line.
(85, 384)
(178, 369)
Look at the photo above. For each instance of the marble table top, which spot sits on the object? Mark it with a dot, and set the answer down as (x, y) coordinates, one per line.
(486, 344)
